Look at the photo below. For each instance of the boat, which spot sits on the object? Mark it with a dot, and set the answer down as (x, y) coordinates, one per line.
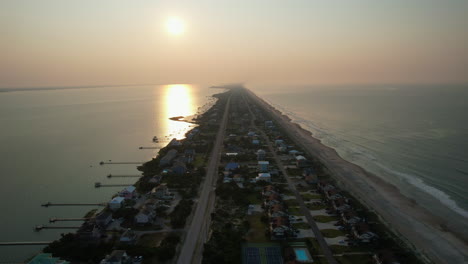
(155, 139)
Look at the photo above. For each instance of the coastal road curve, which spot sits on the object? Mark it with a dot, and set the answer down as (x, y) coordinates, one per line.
(192, 248)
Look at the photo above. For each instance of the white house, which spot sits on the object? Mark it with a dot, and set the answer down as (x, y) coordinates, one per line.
(264, 177)
(116, 203)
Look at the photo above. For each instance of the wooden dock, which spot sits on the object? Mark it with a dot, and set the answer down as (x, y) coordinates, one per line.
(40, 227)
(149, 148)
(55, 219)
(98, 185)
(25, 243)
(72, 204)
(121, 162)
(123, 176)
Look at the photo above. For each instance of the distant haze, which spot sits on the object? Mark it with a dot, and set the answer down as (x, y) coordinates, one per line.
(89, 42)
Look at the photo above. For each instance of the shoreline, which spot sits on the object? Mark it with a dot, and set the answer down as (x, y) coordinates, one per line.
(426, 232)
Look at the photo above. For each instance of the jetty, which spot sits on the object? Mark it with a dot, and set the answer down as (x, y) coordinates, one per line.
(72, 204)
(55, 219)
(149, 148)
(123, 176)
(40, 227)
(98, 185)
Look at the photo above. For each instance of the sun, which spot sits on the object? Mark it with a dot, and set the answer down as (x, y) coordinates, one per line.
(175, 26)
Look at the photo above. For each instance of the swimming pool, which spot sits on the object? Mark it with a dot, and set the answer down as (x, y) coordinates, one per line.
(302, 255)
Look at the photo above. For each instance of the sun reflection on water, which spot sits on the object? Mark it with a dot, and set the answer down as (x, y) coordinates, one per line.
(178, 102)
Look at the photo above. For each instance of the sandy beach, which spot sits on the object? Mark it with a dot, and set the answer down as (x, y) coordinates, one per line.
(428, 234)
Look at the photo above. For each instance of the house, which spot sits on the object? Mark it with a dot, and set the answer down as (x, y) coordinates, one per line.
(272, 200)
(385, 257)
(251, 134)
(117, 257)
(179, 168)
(159, 191)
(175, 142)
(341, 204)
(362, 232)
(263, 177)
(261, 154)
(293, 153)
(350, 218)
(128, 192)
(263, 166)
(89, 232)
(167, 159)
(231, 166)
(279, 142)
(145, 216)
(269, 190)
(116, 203)
(189, 155)
(279, 228)
(46, 258)
(333, 194)
(276, 210)
(256, 142)
(128, 237)
(237, 178)
(103, 219)
(302, 162)
(269, 124)
(155, 179)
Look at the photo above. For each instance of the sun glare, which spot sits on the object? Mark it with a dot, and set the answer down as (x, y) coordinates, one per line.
(175, 26)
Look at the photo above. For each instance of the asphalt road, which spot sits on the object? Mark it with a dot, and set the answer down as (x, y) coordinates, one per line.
(192, 249)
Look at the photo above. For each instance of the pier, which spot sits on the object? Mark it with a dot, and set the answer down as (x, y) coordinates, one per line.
(149, 148)
(25, 243)
(123, 176)
(55, 219)
(72, 204)
(98, 185)
(121, 162)
(40, 227)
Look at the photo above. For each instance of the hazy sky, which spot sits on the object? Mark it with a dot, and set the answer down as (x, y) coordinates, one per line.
(87, 42)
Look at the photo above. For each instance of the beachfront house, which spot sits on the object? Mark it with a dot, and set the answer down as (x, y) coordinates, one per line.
(116, 203)
(350, 218)
(128, 237)
(362, 232)
(385, 257)
(128, 192)
(46, 258)
(263, 166)
(179, 168)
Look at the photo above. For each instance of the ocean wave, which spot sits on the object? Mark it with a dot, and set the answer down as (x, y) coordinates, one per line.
(421, 185)
(359, 154)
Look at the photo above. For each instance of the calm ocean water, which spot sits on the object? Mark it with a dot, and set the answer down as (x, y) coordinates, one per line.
(52, 141)
(415, 137)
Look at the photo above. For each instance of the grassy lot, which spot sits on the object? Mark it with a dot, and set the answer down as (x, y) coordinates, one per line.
(339, 249)
(310, 196)
(254, 198)
(257, 230)
(294, 211)
(316, 207)
(301, 226)
(332, 233)
(199, 160)
(325, 218)
(291, 202)
(355, 259)
(151, 240)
